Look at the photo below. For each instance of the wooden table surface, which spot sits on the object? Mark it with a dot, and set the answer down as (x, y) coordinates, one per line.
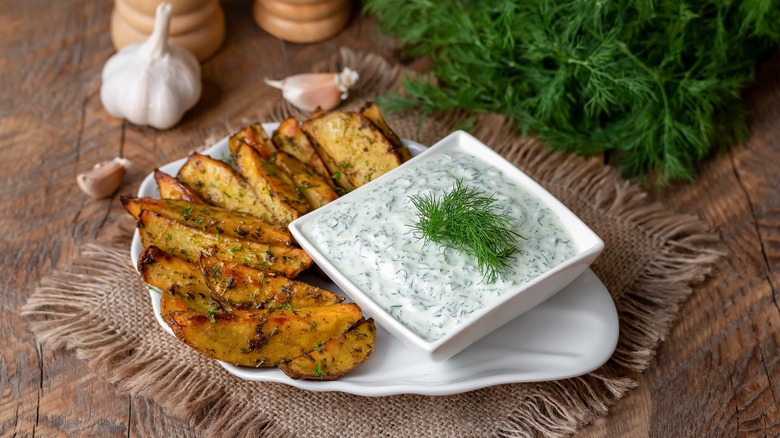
(716, 374)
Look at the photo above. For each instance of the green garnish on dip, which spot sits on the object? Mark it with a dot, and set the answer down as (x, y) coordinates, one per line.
(467, 220)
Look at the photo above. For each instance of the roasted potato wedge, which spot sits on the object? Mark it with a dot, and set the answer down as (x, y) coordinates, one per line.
(253, 134)
(337, 357)
(187, 243)
(219, 184)
(371, 111)
(315, 189)
(182, 280)
(270, 184)
(211, 219)
(262, 338)
(357, 147)
(173, 302)
(289, 138)
(246, 288)
(172, 188)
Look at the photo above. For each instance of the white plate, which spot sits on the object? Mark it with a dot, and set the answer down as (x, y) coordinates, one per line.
(570, 334)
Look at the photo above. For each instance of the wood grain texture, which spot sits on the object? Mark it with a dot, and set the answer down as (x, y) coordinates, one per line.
(716, 374)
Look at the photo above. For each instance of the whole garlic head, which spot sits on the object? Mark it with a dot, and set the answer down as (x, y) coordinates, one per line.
(152, 83)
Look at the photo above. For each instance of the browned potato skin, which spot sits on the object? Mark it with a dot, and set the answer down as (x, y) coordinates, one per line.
(270, 185)
(357, 147)
(315, 189)
(253, 134)
(371, 111)
(211, 219)
(262, 338)
(337, 357)
(178, 280)
(242, 287)
(289, 138)
(219, 184)
(172, 188)
(187, 243)
(173, 302)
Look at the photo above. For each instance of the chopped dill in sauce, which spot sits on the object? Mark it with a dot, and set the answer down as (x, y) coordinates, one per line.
(431, 289)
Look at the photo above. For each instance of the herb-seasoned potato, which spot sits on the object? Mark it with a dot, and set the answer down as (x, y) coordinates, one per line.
(182, 280)
(371, 111)
(315, 189)
(337, 357)
(172, 188)
(211, 219)
(220, 185)
(289, 138)
(262, 338)
(246, 288)
(187, 243)
(174, 302)
(253, 134)
(270, 184)
(357, 147)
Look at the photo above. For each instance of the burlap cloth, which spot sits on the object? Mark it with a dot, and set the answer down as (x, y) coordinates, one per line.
(98, 306)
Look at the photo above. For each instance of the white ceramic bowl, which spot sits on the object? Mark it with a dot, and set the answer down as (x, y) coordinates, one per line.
(515, 300)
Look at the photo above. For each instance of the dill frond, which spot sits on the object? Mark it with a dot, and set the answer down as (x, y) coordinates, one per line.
(466, 220)
(656, 84)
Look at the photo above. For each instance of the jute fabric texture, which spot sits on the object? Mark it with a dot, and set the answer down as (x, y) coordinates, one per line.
(98, 306)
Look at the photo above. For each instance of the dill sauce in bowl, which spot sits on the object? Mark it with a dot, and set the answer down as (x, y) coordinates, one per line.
(435, 299)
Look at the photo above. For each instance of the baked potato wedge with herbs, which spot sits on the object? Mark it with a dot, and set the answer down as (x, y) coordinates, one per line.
(242, 287)
(211, 219)
(170, 187)
(270, 184)
(181, 280)
(290, 139)
(356, 146)
(219, 184)
(336, 357)
(315, 189)
(371, 111)
(188, 242)
(262, 338)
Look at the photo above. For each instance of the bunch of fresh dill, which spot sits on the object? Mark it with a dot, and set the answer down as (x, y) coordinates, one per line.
(657, 83)
(467, 220)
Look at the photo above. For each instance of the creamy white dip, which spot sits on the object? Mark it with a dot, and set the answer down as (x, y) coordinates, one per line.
(426, 288)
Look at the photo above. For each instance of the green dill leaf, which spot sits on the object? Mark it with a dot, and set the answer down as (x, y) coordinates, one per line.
(654, 85)
(465, 219)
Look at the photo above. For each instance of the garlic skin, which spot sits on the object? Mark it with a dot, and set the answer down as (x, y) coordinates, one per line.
(104, 178)
(152, 83)
(311, 90)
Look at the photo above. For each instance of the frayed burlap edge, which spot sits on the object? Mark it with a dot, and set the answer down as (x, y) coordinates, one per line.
(646, 310)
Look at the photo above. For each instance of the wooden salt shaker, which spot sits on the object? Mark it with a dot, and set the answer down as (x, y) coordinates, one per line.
(302, 21)
(196, 25)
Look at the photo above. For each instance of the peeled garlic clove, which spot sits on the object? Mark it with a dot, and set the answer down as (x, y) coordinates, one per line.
(311, 90)
(104, 178)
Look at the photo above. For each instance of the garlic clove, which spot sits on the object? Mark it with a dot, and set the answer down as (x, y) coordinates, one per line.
(104, 178)
(311, 90)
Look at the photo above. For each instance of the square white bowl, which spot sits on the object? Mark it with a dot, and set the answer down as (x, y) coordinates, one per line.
(516, 300)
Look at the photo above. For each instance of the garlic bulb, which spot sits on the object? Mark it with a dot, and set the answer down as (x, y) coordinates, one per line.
(104, 178)
(152, 83)
(312, 90)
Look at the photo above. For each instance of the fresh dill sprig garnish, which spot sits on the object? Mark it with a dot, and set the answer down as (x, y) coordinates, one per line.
(467, 220)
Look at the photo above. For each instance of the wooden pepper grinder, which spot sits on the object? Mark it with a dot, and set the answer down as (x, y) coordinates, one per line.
(196, 25)
(302, 21)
